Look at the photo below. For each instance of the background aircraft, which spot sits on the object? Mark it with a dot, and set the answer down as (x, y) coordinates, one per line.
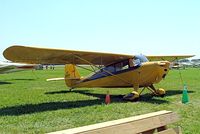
(8, 67)
(185, 63)
(181, 64)
(108, 70)
(195, 63)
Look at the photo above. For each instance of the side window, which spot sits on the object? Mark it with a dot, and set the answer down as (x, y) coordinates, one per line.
(122, 66)
(118, 66)
(110, 68)
(125, 67)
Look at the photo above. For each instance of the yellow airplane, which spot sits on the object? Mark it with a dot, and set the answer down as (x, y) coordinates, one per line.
(108, 70)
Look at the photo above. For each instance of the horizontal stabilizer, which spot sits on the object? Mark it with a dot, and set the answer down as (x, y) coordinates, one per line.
(55, 79)
(73, 78)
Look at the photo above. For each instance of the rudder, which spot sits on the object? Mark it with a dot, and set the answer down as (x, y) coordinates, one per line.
(71, 75)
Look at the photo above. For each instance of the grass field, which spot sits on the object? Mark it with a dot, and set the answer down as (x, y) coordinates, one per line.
(29, 104)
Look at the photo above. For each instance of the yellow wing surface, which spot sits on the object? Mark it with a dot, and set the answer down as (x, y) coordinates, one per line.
(33, 55)
(24, 54)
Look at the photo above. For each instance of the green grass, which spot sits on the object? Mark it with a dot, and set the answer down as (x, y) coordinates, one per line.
(29, 104)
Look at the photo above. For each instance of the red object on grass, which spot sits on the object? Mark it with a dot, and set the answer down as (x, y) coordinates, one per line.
(107, 99)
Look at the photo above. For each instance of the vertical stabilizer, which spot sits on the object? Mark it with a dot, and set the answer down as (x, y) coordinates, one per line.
(71, 75)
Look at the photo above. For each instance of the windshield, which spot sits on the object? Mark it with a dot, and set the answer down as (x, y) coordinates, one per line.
(137, 60)
(141, 58)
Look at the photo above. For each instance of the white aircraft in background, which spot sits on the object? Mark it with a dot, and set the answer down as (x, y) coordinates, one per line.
(181, 64)
(8, 67)
(185, 63)
(196, 62)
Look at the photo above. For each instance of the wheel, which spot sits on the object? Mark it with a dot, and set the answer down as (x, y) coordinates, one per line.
(160, 92)
(134, 96)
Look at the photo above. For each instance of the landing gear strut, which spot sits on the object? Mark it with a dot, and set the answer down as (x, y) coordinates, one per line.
(134, 96)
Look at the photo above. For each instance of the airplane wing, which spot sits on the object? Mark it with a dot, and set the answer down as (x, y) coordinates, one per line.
(6, 68)
(14, 67)
(33, 55)
(170, 58)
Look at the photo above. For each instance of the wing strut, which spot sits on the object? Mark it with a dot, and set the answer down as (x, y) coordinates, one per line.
(103, 70)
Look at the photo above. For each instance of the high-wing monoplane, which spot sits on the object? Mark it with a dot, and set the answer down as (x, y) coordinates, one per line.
(8, 67)
(196, 63)
(107, 70)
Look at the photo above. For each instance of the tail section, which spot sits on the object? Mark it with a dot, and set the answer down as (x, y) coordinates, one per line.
(71, 75)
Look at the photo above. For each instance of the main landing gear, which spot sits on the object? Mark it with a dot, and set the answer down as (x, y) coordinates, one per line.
(157, 92)
(134, 96)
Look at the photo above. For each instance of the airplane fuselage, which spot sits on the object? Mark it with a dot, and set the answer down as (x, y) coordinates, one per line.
(144, 75)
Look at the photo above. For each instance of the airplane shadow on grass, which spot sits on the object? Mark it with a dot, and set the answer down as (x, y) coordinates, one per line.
(4, 82)
(51, 106)
(22, 79)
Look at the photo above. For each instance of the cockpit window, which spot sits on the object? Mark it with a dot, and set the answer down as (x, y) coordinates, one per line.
(116, 67)
(132, 63)
(121, 66)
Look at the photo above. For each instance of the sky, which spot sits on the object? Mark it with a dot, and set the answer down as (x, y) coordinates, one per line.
(150, 27)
